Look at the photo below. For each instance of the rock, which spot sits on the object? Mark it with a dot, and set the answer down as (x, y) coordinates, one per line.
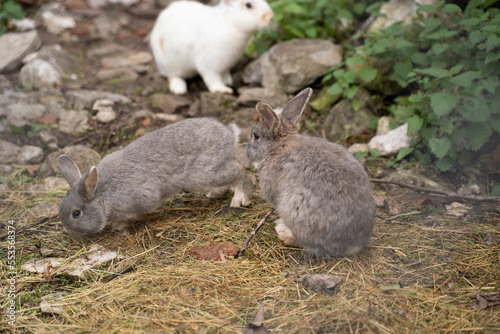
(118, 98)
(49, 96)
(8, 151)
(74, 121)
(118, 74)
(106, 50)
(83, 156)
(65, 63)
(52, 303)
(392, 207)
(384, 125)
(320, 282)
(84, 99)
(57, 23)
(104, 28)
(343, 119)
(97, 256)
(133, 59)
(418, 178)
(457, 209)
(363, 148)
(15, 46)
(43, 209)
(470, 188)
(25, 24)
(394, 11)
(379, 200)
(39, 73)
(292, 65)
(215, 104)
(392, 142)
(105, 112)
(4, 83)
(126, 3)
(252, 95)
(169, 103)
(170, 117)
(325, 100)
(29, 155)
(23, 114)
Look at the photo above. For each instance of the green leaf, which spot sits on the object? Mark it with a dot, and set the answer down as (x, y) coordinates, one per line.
(404, 152)
(451, 8)
(495, 190)
(13, 9)
(492, 58)
(444, 164)
(470, 22)
(335, 89)
(495, 124)
(367, 74)
(478, 134)
(16, 129)
(439, 48)
(434, 72)
(414, 124)
(350, 76)
(421, 59)
(401, 71)
(477, 36)
(465, 79)
(492, 42)
(355, 60)
(356, 104)
(475, 109)
(456, 69)
(439, 146)
(443, 103)
(351, 91)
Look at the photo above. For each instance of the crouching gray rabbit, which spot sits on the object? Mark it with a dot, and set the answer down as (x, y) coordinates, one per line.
(192, 155)
(320, 190)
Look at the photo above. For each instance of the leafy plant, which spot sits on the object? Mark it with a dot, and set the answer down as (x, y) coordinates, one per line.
(328, 19)
(448, 60)
(9, 9)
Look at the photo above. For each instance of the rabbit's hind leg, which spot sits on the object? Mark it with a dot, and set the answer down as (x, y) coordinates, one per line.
(284, 233)
(217, 192)
(242, 191)
(177, 85)
(215, 82)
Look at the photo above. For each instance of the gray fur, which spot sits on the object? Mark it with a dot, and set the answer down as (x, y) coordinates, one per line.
(189, 156)
(320, 190)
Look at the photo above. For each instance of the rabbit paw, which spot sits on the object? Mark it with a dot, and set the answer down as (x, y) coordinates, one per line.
(284, 233)
(239, 199)
(221, 89)
(177, 85)
(217, 192)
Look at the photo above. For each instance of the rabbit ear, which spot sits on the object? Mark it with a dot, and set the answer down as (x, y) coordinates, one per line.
(295, 107)
(269, 118)
(69, 170)
(88, 184)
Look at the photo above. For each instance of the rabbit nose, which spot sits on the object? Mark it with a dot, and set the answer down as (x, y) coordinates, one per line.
(268, 16)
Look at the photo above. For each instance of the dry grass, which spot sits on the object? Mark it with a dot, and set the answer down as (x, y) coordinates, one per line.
(417, 275)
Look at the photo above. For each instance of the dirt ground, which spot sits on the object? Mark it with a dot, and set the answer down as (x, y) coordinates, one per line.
(422, 272)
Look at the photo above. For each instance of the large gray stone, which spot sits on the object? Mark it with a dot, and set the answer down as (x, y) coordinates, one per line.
(169, 103)
(343, 120)
(23, 114)
(29, 155)
(292, 65)
(39, 73)
(83, 156)
(84, 99)
(8, 151)
(14, 47)
(74, 121)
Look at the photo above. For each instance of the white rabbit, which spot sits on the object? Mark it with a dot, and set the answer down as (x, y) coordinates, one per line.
(192, 155)
(190, 38)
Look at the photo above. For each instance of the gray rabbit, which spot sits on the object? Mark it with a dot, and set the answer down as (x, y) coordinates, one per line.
(192, 155)
(320, 190)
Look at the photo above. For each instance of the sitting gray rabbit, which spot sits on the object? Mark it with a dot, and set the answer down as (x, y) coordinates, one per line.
(320, 190)
(192, 155)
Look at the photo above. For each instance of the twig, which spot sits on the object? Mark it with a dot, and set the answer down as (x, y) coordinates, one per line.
(262, 221)
(124, 271)
(441, 192)
(22, 229)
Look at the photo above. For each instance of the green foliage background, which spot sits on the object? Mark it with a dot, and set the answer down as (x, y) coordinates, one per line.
(9, 9)
(446, 64)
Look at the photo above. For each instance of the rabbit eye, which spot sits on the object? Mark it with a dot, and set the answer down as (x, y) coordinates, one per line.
(76, 214)
(255, 136)
(248, 5)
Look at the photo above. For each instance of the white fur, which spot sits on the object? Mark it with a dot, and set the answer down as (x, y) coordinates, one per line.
(284, 233)
(190, 38)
